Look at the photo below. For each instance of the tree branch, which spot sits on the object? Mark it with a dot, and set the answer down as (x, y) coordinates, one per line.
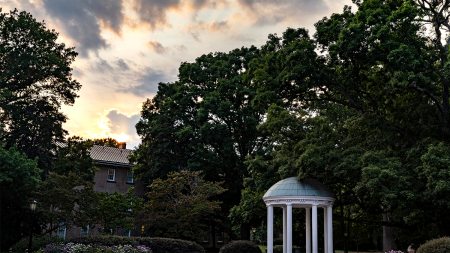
(428, 94)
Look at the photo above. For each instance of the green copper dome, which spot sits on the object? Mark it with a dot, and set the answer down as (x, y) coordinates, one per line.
(293, 187)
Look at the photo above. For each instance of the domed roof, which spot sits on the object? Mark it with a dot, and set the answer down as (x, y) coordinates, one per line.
(293, 187)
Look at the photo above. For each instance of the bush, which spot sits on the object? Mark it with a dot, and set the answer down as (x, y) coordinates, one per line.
(168, 245)
(441, 245)
(240, 247)
(157, 245)
(38, 243)
(88, 248)
(278, 249)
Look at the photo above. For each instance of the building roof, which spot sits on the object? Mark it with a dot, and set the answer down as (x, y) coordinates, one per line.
(110, 155)
(293, 187)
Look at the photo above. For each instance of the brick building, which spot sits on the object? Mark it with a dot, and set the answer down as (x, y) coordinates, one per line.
(113, 174)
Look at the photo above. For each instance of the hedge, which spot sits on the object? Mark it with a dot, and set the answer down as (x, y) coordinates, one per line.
(157, 244)
(38, 243)
(240, 247)
(441, 245)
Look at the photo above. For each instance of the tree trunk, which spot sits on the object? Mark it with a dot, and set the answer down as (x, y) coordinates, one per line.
(388, 234)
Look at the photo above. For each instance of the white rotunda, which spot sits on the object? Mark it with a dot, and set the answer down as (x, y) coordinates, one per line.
(308, 194)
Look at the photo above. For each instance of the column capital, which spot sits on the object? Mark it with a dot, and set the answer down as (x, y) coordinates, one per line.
(288, 204)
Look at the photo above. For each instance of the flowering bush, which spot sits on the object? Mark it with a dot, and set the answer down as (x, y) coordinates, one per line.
(87, 248)
(394, 251)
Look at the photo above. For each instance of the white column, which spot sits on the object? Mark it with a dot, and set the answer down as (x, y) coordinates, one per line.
(330, 228)
(289, 228)
(325, 230)
(308, 229)
(314, 230)
(284, 229)
(269, 229)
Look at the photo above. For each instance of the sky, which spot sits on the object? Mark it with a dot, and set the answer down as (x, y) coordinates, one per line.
(127, 47)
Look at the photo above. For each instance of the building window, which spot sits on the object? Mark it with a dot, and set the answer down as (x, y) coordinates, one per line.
(130, 178)
(84, 231)
(111, 175)
(61, 231)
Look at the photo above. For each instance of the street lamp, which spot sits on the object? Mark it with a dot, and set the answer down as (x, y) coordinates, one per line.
(33, 208)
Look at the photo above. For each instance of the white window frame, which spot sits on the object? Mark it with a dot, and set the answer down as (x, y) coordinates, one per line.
(113, 175)
(130, 172)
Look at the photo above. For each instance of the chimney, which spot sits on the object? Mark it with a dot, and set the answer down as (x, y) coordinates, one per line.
(122, 145)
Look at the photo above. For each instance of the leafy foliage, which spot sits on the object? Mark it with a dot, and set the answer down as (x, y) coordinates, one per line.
(39, 242)
(65, 199)
(117, 210)
(35, 80)
(179, 205)
(240, 247)
(157, 244)
(19, 176)
(440, 245)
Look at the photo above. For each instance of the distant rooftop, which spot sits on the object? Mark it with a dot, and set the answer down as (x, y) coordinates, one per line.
(109, 155)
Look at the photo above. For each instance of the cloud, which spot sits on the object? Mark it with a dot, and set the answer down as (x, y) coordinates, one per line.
(157, 47)
(153, 12)
(123, 126)
(268, 12)
(122, 64)
(103, 66)
(82, 20)
(148, 82)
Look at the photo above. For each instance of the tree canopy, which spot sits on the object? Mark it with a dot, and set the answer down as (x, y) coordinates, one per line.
(181, 205)
(35, 80)
(362, 105)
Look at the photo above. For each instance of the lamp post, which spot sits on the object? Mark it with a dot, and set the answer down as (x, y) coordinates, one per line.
(33, 208)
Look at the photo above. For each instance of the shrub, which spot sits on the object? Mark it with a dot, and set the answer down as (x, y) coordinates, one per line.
(168, 245)
(88, 248)
(38, 243)
(240, 247)
(278, 249)
(158, 245)
(441, 245)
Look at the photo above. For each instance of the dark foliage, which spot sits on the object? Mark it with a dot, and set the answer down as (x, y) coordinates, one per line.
(39, 242)
(157, 244)
(240, 247)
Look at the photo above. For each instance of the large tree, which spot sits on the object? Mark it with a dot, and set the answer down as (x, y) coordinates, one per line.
(371, 106)
(362, 106)
(204, 121)
(35, 80)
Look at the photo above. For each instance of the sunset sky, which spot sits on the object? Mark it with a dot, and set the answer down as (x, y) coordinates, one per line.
(126, 47)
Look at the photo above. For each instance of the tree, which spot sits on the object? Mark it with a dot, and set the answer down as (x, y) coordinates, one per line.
(73, 156)
(19, 176)
(35, 80)
(116, 210)
(182, 205)
(65, 200)
(108, 142)
(204, 121)
(370, 107)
